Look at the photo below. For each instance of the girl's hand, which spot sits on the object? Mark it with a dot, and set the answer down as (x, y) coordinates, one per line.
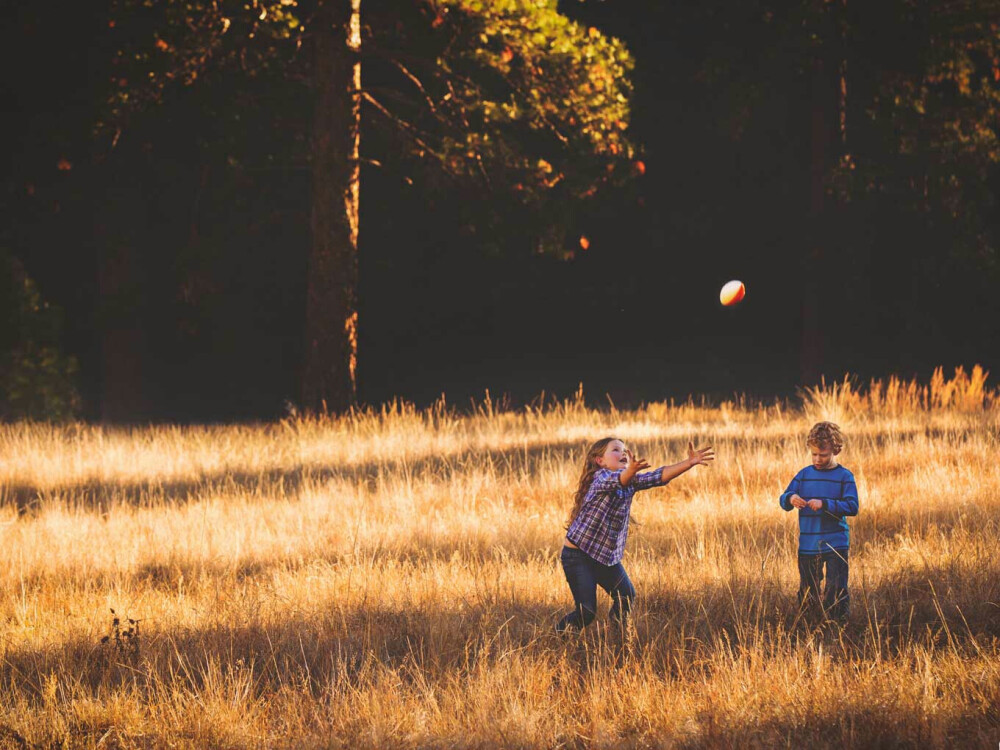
(815, 504)
(701, 455)
(635, 464)
(797, 502)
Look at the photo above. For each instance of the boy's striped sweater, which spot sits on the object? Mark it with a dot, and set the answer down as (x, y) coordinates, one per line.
(826, 529)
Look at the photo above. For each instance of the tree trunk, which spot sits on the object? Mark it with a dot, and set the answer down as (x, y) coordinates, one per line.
(122, 347)
(814, 270)
(828, 142)
(328, 374)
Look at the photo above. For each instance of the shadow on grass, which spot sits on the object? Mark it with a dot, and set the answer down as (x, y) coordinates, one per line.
(101, 493)
(676, 633)
(902, 601)
(97, 493)
(862, 725)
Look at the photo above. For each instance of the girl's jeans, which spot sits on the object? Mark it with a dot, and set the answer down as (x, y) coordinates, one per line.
(584, 575)
(836, 602)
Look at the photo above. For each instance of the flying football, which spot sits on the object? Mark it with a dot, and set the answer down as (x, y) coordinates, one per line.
(732, 293)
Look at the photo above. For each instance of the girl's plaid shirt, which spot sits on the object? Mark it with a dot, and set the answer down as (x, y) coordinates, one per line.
(601, 527)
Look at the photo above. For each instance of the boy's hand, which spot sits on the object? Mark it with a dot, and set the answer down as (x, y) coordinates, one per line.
(815, 504)
(797, 501)
(701, 456)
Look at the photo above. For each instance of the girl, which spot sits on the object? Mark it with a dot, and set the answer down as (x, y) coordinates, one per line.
(598, 525)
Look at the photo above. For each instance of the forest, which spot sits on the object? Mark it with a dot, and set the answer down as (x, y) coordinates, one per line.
(539, 195)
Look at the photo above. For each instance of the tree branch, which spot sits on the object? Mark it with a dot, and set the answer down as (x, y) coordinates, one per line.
(416, 82)
(411, 130)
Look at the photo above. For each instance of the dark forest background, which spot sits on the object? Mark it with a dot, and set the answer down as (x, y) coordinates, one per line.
(839, 158)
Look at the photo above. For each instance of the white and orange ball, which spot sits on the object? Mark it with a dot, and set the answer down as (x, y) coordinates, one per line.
(732, 292)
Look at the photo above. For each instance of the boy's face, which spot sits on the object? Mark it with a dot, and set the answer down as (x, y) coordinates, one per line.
(614, 457)
(822, 456)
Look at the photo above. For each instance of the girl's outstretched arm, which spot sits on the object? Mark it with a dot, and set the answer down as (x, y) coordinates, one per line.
(700, 456)
(635, 465)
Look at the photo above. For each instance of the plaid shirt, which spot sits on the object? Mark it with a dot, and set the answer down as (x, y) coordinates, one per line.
(601, 527)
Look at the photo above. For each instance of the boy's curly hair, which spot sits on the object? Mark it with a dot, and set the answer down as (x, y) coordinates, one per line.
(826, 435)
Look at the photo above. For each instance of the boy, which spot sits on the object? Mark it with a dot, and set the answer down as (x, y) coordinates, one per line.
(825, 494)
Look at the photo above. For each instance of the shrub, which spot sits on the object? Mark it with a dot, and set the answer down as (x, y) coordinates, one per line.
(36, 377)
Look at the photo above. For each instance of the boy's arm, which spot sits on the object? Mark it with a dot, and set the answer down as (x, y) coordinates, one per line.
(785, 501)
(847, 505)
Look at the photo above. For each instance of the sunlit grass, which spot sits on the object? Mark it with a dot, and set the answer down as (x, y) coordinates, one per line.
(391, 578)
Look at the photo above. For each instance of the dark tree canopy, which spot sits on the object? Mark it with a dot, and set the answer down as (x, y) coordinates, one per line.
(513, 237)
(511, 97)
(512, 94)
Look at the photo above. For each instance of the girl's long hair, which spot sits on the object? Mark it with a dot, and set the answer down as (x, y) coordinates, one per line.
(590, 468)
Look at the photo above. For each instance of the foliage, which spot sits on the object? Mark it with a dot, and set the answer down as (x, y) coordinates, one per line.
(36, 377)
(908, 93)
(922, 151)
(510, 98)
(517, 100)
(929, 128)
(525, 89)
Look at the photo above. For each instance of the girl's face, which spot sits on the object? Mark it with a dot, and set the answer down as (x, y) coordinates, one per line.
(614, 457)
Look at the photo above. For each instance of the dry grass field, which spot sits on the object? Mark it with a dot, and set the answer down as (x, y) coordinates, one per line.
(391, 579)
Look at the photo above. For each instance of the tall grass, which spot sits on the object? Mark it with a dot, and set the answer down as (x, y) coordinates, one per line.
(391, 578)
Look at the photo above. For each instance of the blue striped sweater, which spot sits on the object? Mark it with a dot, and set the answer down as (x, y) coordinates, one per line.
(825, 529)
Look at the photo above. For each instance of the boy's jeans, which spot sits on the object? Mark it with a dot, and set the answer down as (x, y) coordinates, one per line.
(584, 574)
(836, 602)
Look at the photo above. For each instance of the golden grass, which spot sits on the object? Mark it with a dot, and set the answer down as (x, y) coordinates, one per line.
(391, 579)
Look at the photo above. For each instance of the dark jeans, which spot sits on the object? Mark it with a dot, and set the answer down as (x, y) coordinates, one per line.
(836, 602)
(584, 574)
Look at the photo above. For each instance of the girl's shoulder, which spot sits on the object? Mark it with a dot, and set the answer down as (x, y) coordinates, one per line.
(605, 480)
(606, 475)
